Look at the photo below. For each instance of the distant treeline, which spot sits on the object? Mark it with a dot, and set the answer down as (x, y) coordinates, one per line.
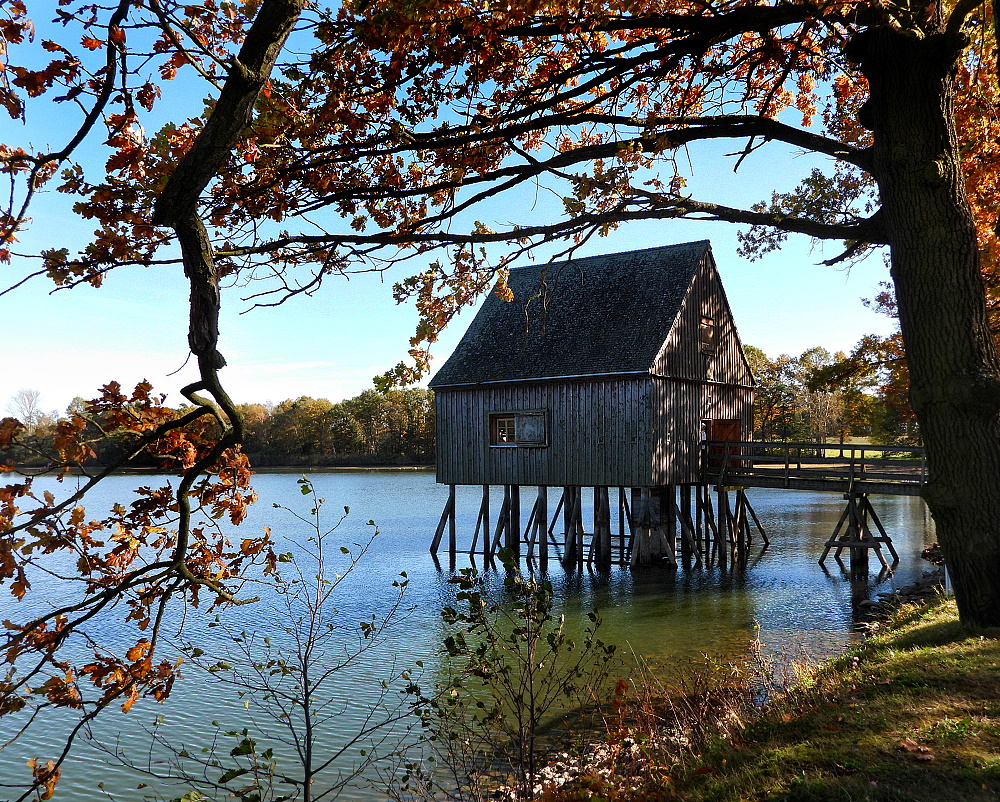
(393, 428)
(396, 427)
(818, 396)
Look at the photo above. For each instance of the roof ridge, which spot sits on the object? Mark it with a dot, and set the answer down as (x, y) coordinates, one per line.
(677, 245)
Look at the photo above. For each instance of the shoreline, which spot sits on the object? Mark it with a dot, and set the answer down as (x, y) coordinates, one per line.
(713, 753)
(28, 470)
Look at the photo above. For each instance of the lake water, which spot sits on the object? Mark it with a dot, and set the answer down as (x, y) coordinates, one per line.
(795, 607)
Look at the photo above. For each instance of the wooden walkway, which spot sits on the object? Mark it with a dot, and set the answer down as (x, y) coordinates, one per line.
(854, 471)
(848, 469)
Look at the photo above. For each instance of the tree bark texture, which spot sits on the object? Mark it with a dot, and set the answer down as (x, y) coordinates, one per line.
(954, 369)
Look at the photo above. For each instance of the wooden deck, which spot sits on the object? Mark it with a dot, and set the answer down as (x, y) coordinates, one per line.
(892, 470)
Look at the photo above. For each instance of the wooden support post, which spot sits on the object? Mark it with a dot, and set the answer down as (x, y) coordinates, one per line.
(631, 521)
(689, 539)
(528, 536)
(709, 512)
(486, 518)
(835, 537)
(738, 528)
(735, 526)
(741, 527)
(622, 543)
(668, 513)
(640, 527)
(865, 510)
(884, 537)
(452, 531)
(699, 523)
(447, 520)
(662, 525)
(475, 532)
(555, 517)
(513, 538)
(482, 522)
(602, 527)
(756, 521)
(858, 537)
(711, 529)
(569, 557)
(657, 538)
(503, 521)
(682, 510)
(858, 528)
(635, 525)
(722, 536)
(541, 529)
(746, 510)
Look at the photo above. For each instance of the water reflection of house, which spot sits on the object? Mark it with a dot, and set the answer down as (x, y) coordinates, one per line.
(603, 372)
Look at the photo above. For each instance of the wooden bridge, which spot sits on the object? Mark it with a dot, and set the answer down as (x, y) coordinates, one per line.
(855, 471)
(847, 468)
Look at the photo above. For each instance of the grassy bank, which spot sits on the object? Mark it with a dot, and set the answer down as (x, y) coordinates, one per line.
(910, 715)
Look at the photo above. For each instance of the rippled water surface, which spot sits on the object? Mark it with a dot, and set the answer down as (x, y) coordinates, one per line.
(800, 608)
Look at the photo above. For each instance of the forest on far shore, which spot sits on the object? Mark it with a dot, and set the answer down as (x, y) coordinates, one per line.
(373, 428)
(814, 397)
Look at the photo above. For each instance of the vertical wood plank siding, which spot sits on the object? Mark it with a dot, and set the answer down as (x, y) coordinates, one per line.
(691, 386)
(599, 434)
(681, 355)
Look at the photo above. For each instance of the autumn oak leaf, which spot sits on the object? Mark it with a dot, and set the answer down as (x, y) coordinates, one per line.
(138, 651)
(34, 83)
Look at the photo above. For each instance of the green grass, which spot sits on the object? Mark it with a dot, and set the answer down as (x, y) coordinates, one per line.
(910, 715)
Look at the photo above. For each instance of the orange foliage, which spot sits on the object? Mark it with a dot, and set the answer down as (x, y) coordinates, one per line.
(977, 115)
(133, 559)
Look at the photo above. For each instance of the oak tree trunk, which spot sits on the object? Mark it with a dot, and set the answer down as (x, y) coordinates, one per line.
(954, 369)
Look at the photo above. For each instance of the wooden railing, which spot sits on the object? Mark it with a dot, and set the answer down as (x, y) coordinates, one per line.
(896, 470)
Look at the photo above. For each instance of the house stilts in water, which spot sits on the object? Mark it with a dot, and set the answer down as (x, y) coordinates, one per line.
(602, 376)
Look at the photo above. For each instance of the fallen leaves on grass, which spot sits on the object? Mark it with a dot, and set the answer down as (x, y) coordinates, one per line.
(919, 751)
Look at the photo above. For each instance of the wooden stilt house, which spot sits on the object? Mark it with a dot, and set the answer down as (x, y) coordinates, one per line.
(603, 372)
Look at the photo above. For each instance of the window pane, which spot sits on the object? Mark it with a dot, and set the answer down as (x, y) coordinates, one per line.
(518, 428)
(531, 429)
(506, 430)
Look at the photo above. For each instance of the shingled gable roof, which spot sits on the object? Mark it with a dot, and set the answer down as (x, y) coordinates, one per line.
(600, 315)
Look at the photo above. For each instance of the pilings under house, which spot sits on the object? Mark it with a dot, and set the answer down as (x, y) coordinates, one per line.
(689, 524)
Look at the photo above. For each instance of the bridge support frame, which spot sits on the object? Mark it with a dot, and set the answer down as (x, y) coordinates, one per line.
(858, 536)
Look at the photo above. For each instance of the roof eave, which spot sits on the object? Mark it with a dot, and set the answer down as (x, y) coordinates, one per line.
(624, 374)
